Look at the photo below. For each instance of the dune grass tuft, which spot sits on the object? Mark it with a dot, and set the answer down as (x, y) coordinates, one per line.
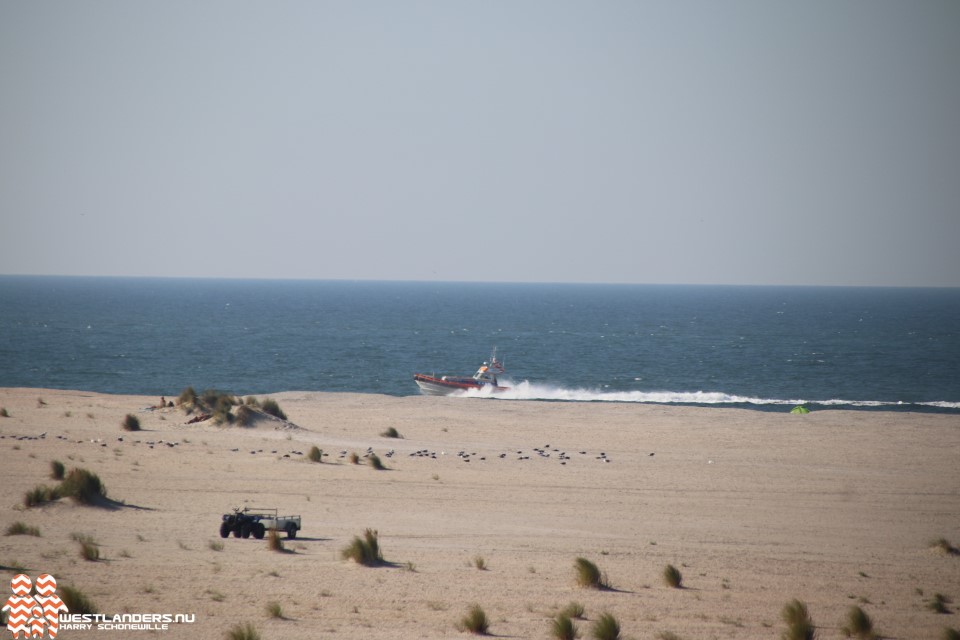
(21, 529)
(76, 600)
(271, 407)
(244, 415)
(4, 413)
(943, 545)
(83, 486)
(315, 454)
(41, 494)
(130, 423)
(574, 610)
(475, 621)
(89, 549)
(391, 432)
(950, 634)
(859, 624)
(606, 628)
(364, 551)
(563, 628)
(799, 624)
(57, 470)
(672, 576)
(480, 563)
(353, 458)
(376, 463)
(589, 576)
(274, 543)
(245, 631)
(275, 611)
(938, 604)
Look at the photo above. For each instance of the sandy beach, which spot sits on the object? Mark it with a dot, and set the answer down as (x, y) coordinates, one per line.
(834, 508)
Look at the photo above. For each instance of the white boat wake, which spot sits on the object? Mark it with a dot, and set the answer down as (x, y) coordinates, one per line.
(529, 391)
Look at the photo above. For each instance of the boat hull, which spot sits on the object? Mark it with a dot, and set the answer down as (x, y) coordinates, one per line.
(445, 386)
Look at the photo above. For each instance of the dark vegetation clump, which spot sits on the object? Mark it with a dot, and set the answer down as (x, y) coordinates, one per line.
(41, 494)
(76, 600)
(859, 624)
(244, 415)
(672, 576)
(57, 470)
(475, 621)
(226, 408)
(22, 529)
(606, 628)
(83, 486)
(274, 543)
(80, 484)
(366, 550)
(315, 454)
(799, 624)
(188, 400)
(131, 423)
(270, 406)
(589, 576)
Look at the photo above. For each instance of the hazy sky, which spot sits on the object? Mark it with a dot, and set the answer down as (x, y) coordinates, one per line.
(740, 142)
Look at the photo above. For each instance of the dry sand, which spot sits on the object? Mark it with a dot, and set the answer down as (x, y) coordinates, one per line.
(835, 508)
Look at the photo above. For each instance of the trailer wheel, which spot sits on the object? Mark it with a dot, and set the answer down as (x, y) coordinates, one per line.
(224, 530)
(291, 530)
(236, 531)
(259, 531)
(245, 531)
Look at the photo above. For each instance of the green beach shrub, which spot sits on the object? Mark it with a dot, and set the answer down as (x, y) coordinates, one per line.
(799, 624)
(588, 575)
(315, 454)
(274, 543)
(390, 433)
(939, 603)
(376, 463)
(574, 610)
(943, 545)
(950, 634)
(41, 494)
(274, 610)
(4, 413)
(859, 624)
(76, 600)
(130, 423)
(366, 550)
(83, 486)
(270, 406)
(245, 631)
(563, 628)
(606, 628)
(475, 621)
(188, 400)
(57, 470)
(21, 529)
(672, 576)
(244, 415)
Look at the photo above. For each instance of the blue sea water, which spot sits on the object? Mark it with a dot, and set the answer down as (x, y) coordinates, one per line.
(764, 347)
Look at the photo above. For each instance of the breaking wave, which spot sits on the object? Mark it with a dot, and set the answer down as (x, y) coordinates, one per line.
(529, 391)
